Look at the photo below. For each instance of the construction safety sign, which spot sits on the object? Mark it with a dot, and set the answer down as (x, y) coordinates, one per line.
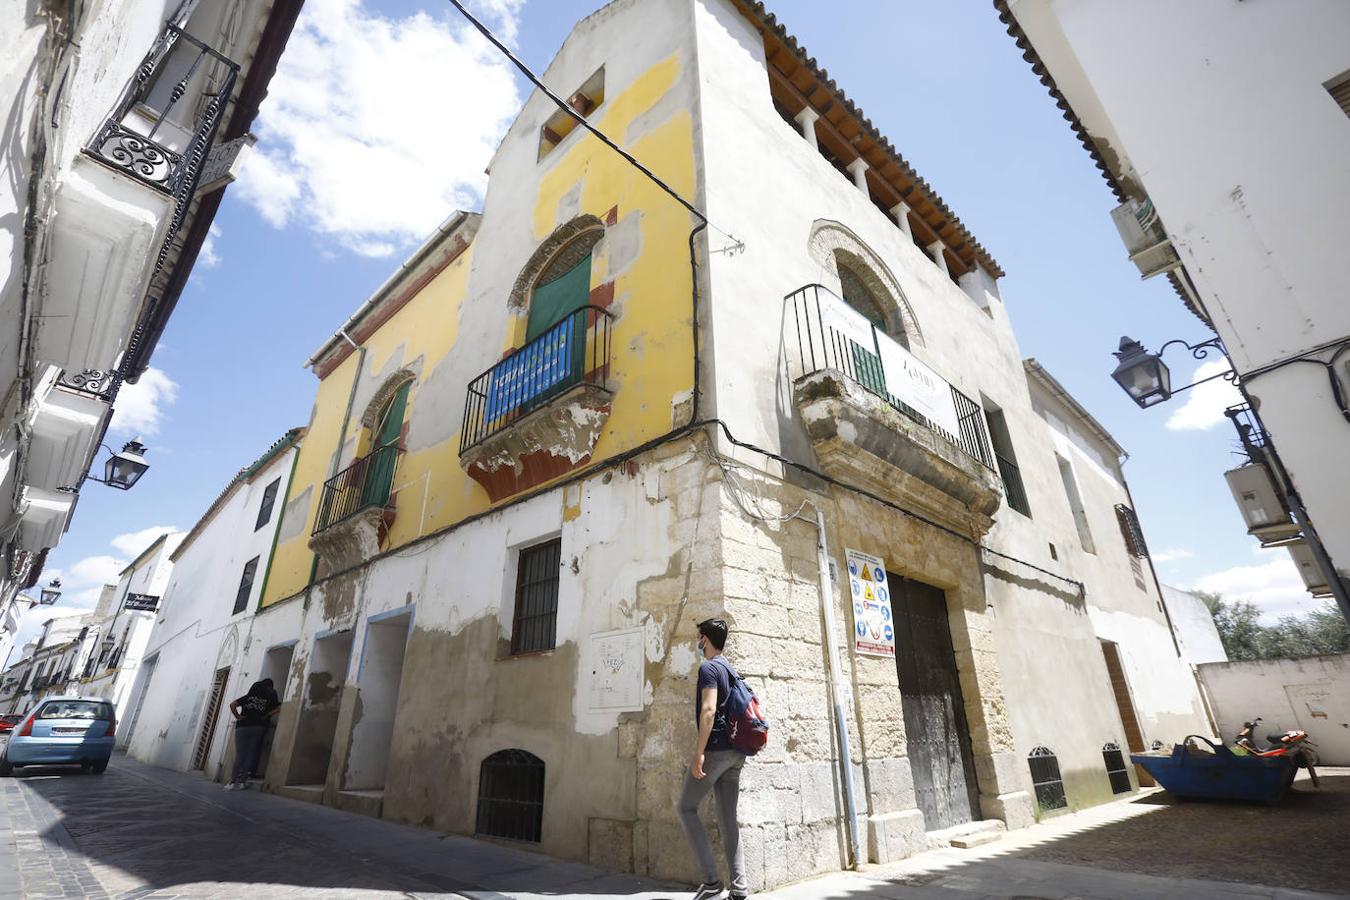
(873, 624)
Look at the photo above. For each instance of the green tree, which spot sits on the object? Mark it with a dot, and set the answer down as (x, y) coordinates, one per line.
(1321, 631)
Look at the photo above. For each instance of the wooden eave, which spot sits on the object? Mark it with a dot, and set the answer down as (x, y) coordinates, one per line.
(797, 82)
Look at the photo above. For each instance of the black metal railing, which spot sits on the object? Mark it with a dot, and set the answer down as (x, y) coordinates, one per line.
(364, 484)
(1013, 490)
(822, 346)
(572, 352)
(133, 136)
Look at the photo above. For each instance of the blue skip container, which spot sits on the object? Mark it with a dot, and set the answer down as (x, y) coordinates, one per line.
(1221, 775)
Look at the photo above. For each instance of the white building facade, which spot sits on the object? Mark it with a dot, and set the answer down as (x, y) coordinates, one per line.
(1188, 109)
(125, 122)
(192, 663)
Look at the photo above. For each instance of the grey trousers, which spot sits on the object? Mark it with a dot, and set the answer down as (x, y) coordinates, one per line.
(722, 775)
(248, 742)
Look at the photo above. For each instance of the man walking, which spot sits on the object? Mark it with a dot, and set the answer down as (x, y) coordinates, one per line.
(716, 768)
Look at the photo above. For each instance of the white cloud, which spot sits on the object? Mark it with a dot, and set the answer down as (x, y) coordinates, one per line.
(1275, 586)
(376, 129)
(208, 257)
(1205, 403)
(1172, 554)
(134, 543)
(140, 406)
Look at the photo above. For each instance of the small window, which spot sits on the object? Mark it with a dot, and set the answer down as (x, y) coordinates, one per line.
(535, 625)
(1013, 490)
(585, 101)
(1076, 504)
(1046, 780)
(1115, 769)
(1339, 88)
(511, 796)
(1130, 532)
(245, 585)
(269, 499)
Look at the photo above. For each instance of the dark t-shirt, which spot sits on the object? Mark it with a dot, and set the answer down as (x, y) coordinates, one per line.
(715, 673)
(255, 710)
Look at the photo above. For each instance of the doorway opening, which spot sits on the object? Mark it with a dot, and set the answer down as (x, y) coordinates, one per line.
(209, 719)
(378, 682)
(322, 701)
(276, 665)
(936, 731)
(1129, 721)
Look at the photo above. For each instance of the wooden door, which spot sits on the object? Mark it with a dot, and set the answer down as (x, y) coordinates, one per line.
(209, 718)
(1120, 689)
(936, 731)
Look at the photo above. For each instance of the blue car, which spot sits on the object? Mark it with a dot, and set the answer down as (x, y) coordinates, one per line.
(72, 731)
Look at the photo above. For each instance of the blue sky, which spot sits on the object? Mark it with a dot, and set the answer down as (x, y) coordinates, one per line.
(382, 120)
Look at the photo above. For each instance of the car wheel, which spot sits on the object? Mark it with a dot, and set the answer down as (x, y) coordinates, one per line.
(99, 767)
(6, 768)
(86, 766)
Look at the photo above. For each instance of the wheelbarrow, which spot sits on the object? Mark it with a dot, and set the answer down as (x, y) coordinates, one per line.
(1191, 773)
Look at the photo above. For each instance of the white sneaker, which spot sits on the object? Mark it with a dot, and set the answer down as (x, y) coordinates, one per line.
(229, 786)
(707, 891)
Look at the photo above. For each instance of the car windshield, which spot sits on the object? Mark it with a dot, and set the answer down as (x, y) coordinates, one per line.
(75, 709)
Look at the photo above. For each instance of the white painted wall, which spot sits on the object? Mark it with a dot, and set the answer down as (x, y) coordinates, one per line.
(1312, 693)
(1194, 626)
(1219, 109)
(197, 632)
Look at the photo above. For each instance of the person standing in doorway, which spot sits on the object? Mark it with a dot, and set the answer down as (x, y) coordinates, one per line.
(715, 768)
(252, 713)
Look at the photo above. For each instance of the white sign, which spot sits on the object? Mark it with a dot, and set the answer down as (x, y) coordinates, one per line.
(617, 671)
(919, 386)
(847, 321)
(873, 623)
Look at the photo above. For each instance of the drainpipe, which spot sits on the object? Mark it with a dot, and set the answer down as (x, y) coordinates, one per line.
(836, 688)
(342, 437)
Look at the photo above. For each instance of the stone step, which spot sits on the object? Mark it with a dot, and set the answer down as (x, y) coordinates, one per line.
(968, 835)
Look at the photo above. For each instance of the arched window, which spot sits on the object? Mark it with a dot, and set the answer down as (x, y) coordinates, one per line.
(383, 435)
(564, 285)
(857, 295)
(511, 796)
(1046, 780)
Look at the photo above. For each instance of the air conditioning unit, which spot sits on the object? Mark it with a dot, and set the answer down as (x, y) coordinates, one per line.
(1261, 505)
(1142, 231)
(1308, 569)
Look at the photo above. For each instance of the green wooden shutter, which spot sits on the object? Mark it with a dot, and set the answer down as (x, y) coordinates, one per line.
(550, 303)
(380, 474)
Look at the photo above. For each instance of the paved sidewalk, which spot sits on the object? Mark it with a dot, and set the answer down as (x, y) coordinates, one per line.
(142, 832)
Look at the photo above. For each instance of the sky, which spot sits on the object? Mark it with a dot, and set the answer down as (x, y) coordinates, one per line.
(380, 122)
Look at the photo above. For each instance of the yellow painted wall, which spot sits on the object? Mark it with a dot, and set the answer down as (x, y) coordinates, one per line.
(652, 348)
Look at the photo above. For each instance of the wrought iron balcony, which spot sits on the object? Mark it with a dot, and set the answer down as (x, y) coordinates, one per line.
(573, 352)
(144, 138)
(365, 484)
(822, 345)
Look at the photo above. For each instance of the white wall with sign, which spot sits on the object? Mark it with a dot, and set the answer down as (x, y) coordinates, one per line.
(616, 670)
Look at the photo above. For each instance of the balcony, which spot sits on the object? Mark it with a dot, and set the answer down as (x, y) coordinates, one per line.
(538, 413)
(882, 419)
(354, 508)
(121, 204)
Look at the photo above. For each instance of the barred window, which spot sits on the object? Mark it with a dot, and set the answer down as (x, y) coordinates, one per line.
(1130, 531)
(1046, 780)
(511, 796)
(535, 624)
(1115, 768)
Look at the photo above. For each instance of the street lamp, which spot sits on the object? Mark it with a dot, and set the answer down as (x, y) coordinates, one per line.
(51, 593)
(124, 469)
(1146, 378)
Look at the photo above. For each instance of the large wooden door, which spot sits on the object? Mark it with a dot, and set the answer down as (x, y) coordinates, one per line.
(935, 714)
(1120, 688)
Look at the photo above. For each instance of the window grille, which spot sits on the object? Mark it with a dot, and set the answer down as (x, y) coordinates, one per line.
(245, 585)
(269, 499)
(1013, 490)
(511, 796)
(1130, 531)
(1115, 769)
(1046, 780)
(1339, 89)
(535, 624)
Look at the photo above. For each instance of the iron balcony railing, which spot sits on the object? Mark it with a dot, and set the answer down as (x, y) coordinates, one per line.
(821, 345)
(364, 484)
(143, 135)
(572, 352)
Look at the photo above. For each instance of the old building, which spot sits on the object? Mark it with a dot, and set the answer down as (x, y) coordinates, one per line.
(49, 667)
(124, 124)
(770, 378)
(1187, 109)
(190, 670)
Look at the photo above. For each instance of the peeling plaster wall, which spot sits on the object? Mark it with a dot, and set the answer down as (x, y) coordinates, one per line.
(197, 632)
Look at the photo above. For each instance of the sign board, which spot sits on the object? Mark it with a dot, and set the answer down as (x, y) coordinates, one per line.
(616, 662)
(917, 385)
(529, 376)
(873, 624)
(146, 602)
